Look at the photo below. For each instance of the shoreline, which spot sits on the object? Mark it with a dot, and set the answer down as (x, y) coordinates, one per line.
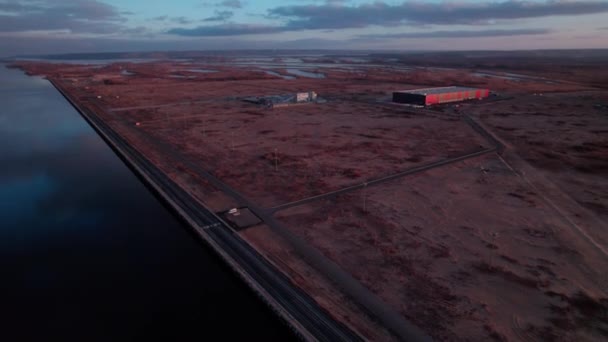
(441, 248)
(170, 193)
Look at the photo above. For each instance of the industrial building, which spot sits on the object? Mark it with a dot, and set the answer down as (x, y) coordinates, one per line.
(431, 96)
(273, 101)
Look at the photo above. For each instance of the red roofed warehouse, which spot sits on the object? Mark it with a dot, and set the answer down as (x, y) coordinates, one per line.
(431, 96)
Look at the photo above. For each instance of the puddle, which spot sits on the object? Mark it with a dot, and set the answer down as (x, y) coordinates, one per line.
(202, 71)
(302, 73)
(182, 77)
(285, 77)
(483, 74)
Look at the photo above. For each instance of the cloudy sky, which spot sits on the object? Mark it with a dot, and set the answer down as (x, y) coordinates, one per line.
(58, 26)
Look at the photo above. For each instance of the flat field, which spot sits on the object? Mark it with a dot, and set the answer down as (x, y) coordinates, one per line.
(495, 230)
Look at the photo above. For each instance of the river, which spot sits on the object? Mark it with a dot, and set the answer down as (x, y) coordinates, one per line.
(87, 253)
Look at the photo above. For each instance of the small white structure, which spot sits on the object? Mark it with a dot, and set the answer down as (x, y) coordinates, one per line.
(301, 97)
(306, 97)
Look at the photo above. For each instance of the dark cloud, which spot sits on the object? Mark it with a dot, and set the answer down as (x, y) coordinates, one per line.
(336, 2)
(331, 16)
(11, 6)
(328, 16)
(231, 3)
(139, 30)
(178, 20)
(32, 45)
(181, 20)
(603, 28)
(81, 16)
(220, 16)
(225, 30)
(460, 34)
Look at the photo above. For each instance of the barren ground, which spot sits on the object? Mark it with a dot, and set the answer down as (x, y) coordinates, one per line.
(508, 247)
(561, 134)
(483, 256)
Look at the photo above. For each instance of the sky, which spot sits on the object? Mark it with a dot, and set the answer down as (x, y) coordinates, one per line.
(64, 26)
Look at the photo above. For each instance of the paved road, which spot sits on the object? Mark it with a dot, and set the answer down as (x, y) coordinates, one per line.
(303, 309)
(371, 303)
(384, 313)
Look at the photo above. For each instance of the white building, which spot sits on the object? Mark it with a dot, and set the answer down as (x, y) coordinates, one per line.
(306, 97)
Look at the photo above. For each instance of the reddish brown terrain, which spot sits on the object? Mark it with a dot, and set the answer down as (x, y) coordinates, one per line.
(505, 237)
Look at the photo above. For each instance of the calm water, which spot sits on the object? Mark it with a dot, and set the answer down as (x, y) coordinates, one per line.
(202, 71)
(285, 77)
(305, 73)
(87, 253)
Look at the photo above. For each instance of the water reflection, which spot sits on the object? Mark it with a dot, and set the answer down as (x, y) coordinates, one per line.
(20, 196)
(86, 253)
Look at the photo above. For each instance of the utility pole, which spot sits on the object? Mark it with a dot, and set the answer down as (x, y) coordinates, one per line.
(494, 236)
(205, 126)
(276, 161)
(364, 198)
